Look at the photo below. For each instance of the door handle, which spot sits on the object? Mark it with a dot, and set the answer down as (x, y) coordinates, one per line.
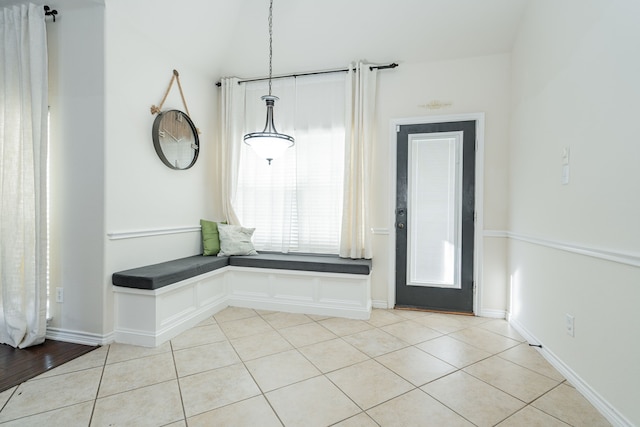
(400, 212)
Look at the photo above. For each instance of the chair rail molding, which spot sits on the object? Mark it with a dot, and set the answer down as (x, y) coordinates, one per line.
(495, 233)
(621, 257)
(120, 235)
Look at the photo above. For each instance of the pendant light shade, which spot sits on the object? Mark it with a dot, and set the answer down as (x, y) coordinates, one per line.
(269, 144)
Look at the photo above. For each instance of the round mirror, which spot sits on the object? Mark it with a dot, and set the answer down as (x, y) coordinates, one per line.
(175, 139)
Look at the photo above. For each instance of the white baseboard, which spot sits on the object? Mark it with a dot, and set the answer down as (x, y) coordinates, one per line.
(172, 329)
(494, 314)
(77, 337)
(380, 304)
(601, 404)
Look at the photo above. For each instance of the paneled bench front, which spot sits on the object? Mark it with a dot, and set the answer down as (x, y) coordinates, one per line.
(157, 302)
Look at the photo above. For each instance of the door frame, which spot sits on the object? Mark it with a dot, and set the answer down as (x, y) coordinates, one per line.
(479, 199)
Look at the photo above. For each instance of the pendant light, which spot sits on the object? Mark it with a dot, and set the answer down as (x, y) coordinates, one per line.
(269, 144)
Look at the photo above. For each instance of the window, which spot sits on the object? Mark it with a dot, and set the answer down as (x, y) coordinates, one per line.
(435, 209)
(295, 203)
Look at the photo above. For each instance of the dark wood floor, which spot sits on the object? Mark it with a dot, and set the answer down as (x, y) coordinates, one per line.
(19, 365)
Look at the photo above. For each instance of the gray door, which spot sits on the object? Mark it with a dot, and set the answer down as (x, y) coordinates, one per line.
(435, 207)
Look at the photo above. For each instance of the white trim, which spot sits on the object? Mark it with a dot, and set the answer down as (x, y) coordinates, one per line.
(309, 292)
(495, 233)
(605, 254)
(479, 196)
(383, 231)
(600, 403)
(494, 314)
(380, 304)
(78, 337)
(151, 317)
(119, 235)
(621, 257)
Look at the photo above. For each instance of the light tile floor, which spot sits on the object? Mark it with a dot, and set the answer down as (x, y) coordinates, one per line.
(247, 367)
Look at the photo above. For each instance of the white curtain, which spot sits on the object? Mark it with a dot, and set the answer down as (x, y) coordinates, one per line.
(231, 133)
(355, 241)
(295, 203)
(23, 176)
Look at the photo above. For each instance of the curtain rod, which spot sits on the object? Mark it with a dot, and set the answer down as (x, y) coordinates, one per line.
(343, 70)
(50, 12)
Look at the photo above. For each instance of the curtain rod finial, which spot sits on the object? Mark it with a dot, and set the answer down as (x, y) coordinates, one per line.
(50, 12)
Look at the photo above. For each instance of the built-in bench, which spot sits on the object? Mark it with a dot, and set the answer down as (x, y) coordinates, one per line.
(157, 302)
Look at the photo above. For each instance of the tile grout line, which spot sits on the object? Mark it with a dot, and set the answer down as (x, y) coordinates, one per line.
(364, 411)
(262, 393)
(461, 369)
(95, 400)
(36, 378)
(325, 374)
(545, 412)
(322, 374)
(297, 348)
(15, 389)
(371, 358)
(175, 368)
(415, 388)
(526, 367)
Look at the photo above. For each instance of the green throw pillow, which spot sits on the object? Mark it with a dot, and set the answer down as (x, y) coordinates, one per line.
(210, 237)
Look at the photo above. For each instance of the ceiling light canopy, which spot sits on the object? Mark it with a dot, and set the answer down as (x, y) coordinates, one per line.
(269, 144)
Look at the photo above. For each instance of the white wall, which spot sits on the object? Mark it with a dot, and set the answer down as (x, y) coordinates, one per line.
(129, 189)
(141, 192)
(471, 85)
(76, 81)
(575, 84)
(106, 177)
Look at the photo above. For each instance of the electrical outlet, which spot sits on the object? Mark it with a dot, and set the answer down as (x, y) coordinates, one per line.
(570, 325)
(59, 295)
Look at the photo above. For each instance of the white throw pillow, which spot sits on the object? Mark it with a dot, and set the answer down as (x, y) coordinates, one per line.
(235, 240)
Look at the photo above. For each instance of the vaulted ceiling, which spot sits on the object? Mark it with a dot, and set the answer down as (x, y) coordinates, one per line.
(230, 37)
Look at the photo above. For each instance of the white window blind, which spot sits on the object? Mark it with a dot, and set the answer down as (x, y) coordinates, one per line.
(295, 203)
(435, 209)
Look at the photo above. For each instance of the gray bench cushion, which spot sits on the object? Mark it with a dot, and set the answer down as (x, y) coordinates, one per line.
(303, 262)
(158, 275)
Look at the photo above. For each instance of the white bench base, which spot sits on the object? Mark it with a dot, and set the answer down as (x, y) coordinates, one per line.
(151, 317)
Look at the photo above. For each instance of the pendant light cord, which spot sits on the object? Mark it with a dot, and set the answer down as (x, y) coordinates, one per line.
(270, 43)
(269, 143)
